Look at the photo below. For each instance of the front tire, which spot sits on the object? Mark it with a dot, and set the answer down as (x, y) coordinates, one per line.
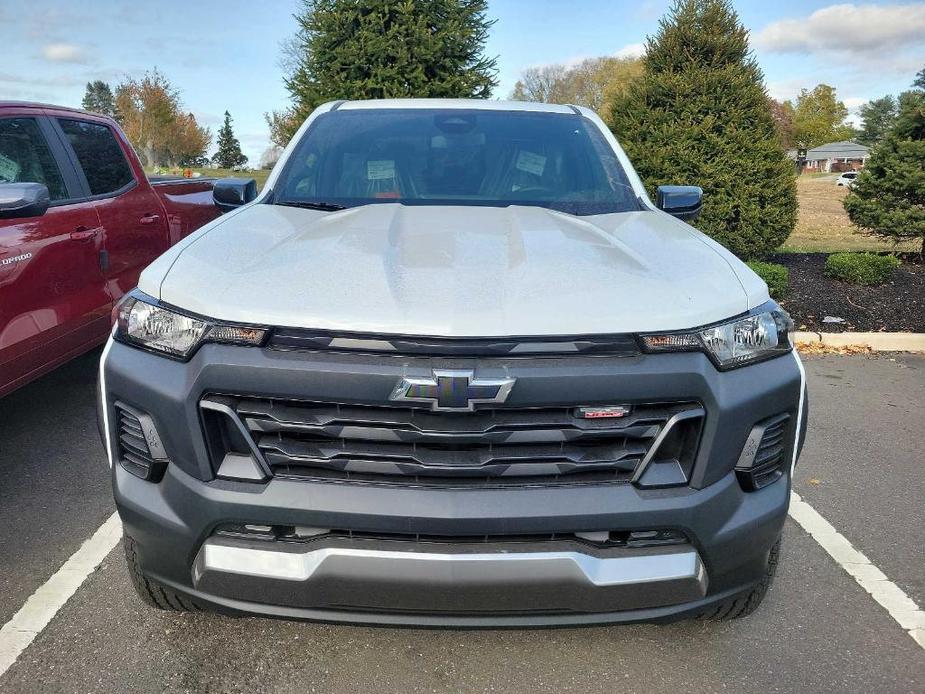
(151, 593)
(746, 603)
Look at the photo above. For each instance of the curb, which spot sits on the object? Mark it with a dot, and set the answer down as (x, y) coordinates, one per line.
(878, 342)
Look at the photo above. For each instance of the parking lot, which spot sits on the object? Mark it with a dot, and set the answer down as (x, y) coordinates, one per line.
(862, 470)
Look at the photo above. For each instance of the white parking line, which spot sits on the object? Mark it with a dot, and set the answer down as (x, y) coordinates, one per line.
(44, 603)
(891, 597)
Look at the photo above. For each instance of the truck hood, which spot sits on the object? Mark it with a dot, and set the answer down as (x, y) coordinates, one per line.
(454, 271)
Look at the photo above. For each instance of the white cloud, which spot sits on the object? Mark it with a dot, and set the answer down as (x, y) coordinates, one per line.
(64, 53)
(631, 50)
(853, 102)
(847, 28)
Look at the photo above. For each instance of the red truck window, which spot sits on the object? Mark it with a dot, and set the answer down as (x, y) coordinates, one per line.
(26, 158)
(99, 155)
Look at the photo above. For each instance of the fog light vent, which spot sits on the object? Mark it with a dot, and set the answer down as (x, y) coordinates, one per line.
(141, 451)
(764, 456)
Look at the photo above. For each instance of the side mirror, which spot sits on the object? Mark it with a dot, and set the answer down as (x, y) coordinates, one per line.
(19, 200)
(683, 202)
(229, 193)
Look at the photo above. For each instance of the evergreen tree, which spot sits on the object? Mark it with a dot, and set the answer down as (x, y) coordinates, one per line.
(888, 197)
(98, 98)
(919, 82)
(368, 49)
(229, 153)
(878, 117)
(700, 116)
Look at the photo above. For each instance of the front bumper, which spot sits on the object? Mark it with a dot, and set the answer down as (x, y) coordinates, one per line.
(393, 581)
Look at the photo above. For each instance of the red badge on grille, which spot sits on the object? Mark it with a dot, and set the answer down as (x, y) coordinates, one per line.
(603, 412)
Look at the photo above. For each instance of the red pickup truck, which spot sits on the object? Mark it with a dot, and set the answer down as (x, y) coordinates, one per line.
(79, 220)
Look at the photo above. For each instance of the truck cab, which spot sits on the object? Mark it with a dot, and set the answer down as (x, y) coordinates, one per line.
(79, 220)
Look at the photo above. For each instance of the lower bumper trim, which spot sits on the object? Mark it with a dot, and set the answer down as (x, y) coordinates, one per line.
(373, 579)
(465, 568)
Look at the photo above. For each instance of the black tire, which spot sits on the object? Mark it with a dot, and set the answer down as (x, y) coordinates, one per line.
(746, 603)
(151, 593)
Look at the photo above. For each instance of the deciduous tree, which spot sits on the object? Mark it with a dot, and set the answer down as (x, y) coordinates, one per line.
(594, 82)
(782, 113)
(156, 124)
(819, 118)
(699, 115)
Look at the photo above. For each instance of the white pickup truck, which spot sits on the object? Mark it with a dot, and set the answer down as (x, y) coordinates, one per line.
(453, 367)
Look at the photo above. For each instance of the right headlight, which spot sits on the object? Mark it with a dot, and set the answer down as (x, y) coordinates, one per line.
(756, 337)
(142, 321)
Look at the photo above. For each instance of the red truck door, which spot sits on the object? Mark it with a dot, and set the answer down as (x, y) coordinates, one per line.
(53, 300)
(135, 230)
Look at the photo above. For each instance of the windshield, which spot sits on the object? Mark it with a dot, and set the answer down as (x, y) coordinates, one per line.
(455, 157)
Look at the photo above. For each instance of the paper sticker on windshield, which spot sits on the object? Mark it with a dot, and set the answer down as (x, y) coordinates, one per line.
(531, 163)
(9, 169)
(380, 169)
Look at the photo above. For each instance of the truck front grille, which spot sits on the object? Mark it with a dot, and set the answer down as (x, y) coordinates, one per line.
(487, 447)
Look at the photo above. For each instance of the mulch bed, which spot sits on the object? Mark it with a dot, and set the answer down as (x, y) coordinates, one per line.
(898, 305)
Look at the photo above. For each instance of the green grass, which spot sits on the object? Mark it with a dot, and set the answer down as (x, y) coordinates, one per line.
(823, 225)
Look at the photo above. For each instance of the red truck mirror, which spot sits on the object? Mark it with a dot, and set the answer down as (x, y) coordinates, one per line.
(230, 193)
(23, 200)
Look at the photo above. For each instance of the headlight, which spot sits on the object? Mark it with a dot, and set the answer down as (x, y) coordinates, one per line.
(756, 337)
(144, 323)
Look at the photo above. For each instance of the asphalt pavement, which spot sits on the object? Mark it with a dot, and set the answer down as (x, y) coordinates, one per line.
(862, 469)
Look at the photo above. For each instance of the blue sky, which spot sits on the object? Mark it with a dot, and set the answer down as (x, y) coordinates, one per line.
(224, 54)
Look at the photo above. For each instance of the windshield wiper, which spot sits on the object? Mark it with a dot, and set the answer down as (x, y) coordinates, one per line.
(309, 205)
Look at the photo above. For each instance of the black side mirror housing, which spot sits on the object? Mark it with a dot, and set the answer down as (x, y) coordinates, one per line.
(229, 193)
(683, 202)
(18, 200)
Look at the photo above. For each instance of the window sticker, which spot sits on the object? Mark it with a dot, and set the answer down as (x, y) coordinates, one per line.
(379, 170)
(531, 163)
(9, 169)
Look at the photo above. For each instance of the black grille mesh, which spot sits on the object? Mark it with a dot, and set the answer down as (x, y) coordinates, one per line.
(402, 445)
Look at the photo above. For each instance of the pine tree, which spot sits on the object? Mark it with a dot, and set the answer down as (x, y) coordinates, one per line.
(877, 117)
(888, 197)
(98, 98)
(919, 82)
(700, 116)
(369, 49)
(229, 153)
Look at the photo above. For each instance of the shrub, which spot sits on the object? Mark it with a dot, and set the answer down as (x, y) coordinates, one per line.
(886, 199)
(861, 268)
(777, 277)
(699, 115)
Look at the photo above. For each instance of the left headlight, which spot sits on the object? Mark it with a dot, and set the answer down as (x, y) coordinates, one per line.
(143, 322)
(761, 335)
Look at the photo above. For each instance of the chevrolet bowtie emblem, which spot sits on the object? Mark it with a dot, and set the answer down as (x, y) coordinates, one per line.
(458, 391)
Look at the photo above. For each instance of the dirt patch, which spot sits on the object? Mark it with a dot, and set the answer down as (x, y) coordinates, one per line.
(898, 305)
